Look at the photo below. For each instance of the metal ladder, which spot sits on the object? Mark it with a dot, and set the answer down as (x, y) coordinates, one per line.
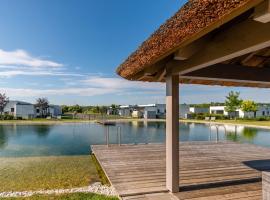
(217, 126)
(107, 135)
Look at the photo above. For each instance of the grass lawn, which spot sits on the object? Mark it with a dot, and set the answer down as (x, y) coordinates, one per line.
(34, 173)
(243, 122)
(75, 196)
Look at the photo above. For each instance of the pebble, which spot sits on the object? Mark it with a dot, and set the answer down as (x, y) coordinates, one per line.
(97, 188)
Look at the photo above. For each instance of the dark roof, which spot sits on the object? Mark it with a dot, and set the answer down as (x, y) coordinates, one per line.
(190, 21)
(20, 102)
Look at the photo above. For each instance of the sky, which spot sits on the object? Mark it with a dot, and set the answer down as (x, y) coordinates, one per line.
(68, 51)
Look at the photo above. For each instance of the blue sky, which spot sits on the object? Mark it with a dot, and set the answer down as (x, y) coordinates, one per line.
(68, 50)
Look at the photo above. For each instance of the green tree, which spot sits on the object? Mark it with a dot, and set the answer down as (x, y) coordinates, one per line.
(64, 108)
(3, 102)
(249, 106)
(233, 102)
(43, 105)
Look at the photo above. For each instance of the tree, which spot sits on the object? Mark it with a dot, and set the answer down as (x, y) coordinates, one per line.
(3, 102)
(64, 108)
(233, 102)
(249, 106)
(43, 105)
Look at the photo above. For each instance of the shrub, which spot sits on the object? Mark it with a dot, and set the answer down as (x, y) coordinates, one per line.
(6, 117)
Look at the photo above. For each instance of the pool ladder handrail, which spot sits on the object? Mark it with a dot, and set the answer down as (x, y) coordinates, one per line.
(217, 126)
(107, 135)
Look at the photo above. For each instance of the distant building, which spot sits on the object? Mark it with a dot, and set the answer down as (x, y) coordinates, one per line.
(52, 111)
(218, 110)
(20, 109)
(153, 111)
(55, 110)
(199, 110)
(263, 111)
(183, 111)
(125, 110)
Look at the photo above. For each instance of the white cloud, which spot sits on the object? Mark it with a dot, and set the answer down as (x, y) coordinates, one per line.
(25, 92)
(23, 58)
(120, 83)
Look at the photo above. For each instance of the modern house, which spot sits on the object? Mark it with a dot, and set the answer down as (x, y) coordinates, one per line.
(198, 110)
(184, 109)
(125, 110)
(20, 109)
(52, 111)
(263, 111)
(153, 111)
(25, 110)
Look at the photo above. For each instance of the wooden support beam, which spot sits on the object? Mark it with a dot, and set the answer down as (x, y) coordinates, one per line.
(172, 132)
(238, 40)
(186, 52)
(262, 12)
(232, 72)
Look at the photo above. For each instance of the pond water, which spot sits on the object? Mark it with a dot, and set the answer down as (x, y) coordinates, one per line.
(76, 138)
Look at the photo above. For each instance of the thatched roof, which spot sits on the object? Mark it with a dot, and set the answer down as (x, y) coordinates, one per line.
(191, 20)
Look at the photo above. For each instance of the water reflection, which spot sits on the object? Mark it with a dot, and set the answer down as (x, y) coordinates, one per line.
(42, 130)
(249, 133)
(3, 138)
(76, 139)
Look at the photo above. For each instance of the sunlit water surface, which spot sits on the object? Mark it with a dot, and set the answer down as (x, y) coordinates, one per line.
(75, 139)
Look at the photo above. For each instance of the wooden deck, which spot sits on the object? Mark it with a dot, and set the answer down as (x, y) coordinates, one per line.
(207, 170)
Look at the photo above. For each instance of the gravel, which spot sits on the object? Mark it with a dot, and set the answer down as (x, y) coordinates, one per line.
(97, 188)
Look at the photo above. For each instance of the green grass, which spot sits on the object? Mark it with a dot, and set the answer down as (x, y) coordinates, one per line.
(34, 173)
(102, 175)
(74, 196)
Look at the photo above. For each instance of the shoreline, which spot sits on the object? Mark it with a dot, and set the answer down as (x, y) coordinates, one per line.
(49, 122)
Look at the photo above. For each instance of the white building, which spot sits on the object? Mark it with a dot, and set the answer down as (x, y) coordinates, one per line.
(183, 110)
(52, 111)
(218, 110)
(20, 109)
(198, 110)
(125, 110)
(152, 111)
(55, 110)
(263, 111)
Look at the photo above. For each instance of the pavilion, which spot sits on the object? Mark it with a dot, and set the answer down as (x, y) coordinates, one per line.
(209, 42)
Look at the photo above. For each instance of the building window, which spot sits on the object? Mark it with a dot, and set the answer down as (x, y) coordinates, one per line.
(37, 110)
(12, 110)
(263, 113)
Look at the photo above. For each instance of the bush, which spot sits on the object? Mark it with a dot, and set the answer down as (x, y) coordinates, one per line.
(202, 116)
(6, 117)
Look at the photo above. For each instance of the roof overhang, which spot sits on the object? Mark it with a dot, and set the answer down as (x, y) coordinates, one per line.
(231, 51)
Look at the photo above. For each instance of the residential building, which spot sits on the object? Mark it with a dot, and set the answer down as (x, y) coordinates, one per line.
(153, 111)
(199, 110)
(263, 111)
(52, 111)
(20, 109)
(125, 110)
(183, 111)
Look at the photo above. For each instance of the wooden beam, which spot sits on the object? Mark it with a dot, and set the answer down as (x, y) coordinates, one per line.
(232, 72)
(172, 132)
(262, 12)
(238, 40)
(186, 52)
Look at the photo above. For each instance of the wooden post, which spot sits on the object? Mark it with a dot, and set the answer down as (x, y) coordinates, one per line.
(172, 132)
(266, 185)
